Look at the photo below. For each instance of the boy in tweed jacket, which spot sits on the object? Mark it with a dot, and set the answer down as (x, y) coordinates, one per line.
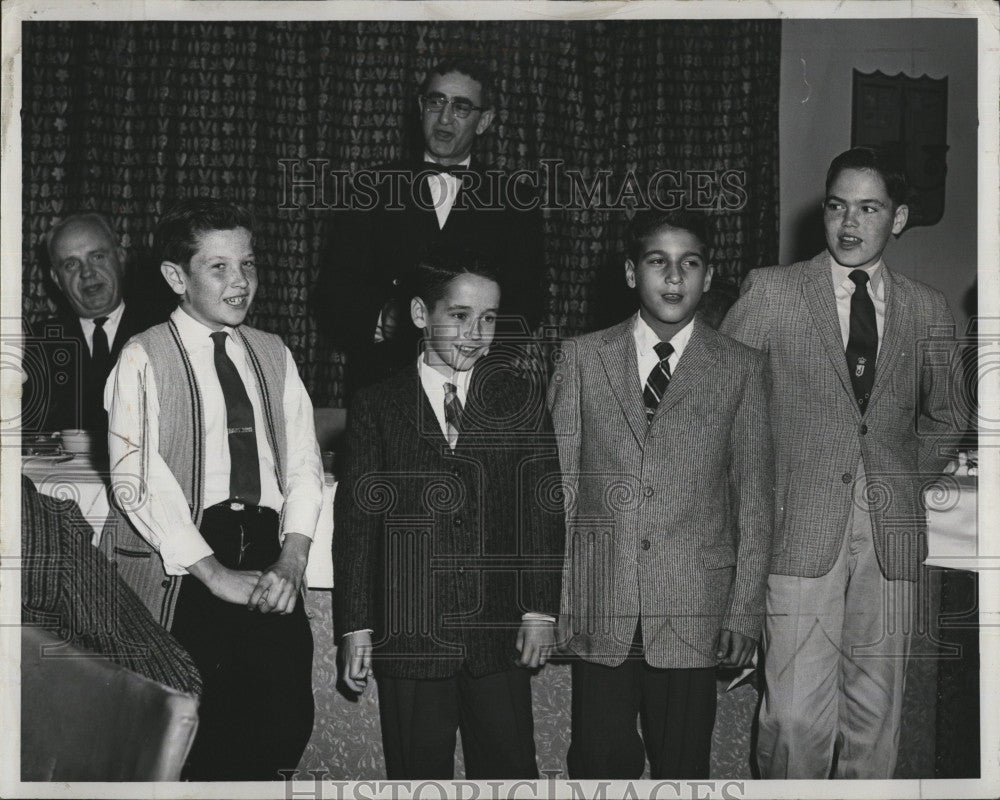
(449, 533)
(850, 448)
(666, 453)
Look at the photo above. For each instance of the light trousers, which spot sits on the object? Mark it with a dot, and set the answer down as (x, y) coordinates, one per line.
(835, 654)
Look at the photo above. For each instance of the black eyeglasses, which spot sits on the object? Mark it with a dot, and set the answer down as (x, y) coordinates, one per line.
(436, 103)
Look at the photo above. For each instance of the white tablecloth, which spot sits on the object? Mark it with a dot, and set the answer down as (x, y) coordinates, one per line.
(84, 481)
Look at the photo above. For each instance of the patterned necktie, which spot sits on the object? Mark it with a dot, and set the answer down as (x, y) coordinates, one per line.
(862, 344)
(659, 378)
(452, 414)
(244, 467)
(101, 354)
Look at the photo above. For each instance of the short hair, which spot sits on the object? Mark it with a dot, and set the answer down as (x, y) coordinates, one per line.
(885, 161)
(645, 223)
(93, 217)
(438, 266)
(176, 235)
(476, 70)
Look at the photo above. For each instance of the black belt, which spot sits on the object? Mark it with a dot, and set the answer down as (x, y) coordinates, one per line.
(237, 506)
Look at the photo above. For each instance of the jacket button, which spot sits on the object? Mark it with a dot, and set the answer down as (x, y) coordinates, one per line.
(166, 584)
(863, 429)
(847, 477)
(648, 491)
(645, 544)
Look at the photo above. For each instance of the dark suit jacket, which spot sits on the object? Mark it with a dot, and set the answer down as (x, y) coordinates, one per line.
(440, 553)
(669, 521)
(369, 255)
(819, 433)
(68, 392)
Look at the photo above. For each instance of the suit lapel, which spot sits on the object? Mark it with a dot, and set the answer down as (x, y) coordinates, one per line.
(892, 333)
(696, 363)
(817, 286)
(617, 354)
(415, 409)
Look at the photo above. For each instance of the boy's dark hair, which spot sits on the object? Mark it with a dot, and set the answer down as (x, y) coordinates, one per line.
(646, 223)
(177, 232)
(476, 70)
(440, 265)
(884, 161)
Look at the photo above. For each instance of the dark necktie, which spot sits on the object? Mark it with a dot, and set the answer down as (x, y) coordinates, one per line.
(862, 344)
(100, 352)
(452, 413)
(659, 378)
(244, 467)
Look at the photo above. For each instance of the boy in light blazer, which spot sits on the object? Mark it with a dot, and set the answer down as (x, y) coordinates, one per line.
(858, 417)
(665, 449)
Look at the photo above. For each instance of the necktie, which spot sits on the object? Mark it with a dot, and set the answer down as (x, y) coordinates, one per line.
(244, 468)
(452, 414)
(100, 352)
(862, 343)
(659, 378)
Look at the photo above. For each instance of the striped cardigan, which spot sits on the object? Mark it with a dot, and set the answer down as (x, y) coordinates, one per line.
(182, 447)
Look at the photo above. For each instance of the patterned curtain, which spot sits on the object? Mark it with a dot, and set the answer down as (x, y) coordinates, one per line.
(125, 118)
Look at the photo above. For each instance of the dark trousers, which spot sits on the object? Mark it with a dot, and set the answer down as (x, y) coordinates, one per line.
(256, 712)
(677, 708)
(420, 718)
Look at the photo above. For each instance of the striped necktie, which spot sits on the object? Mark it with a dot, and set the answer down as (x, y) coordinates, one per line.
(452, 414)
(658, 380)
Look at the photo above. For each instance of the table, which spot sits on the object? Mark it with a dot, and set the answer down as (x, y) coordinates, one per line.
(85, 480)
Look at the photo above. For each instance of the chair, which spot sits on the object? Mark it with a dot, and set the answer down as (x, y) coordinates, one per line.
(85, 718)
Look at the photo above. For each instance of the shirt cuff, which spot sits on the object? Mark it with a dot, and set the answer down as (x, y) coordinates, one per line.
(181, 555)
(537, 615)
(300, 518)
(359, 630)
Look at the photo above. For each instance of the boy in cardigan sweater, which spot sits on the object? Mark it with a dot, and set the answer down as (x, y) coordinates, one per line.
(215, 462)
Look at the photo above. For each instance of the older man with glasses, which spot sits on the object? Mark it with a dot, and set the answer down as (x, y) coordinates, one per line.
(442, 198)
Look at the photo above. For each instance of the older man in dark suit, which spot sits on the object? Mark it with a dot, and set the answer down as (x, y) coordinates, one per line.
(440, 199)
(87, 265)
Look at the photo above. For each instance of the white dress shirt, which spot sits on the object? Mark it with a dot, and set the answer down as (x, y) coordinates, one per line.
(645, 342)
(110, 327)
(444, 189)
(163, 516)
(843, 290)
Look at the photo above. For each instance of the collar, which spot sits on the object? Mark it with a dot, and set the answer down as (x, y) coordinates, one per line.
(646, 338)
(434, 379)
(193, 333)
(876, 276)
(113, 318)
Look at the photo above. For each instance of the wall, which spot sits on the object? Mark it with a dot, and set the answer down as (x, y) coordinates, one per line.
(815, 125)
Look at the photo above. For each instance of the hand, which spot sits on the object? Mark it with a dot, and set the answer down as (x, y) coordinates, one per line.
(734, 649)
(356, 651)
(535, 640)
(231, 585)
(278, 588)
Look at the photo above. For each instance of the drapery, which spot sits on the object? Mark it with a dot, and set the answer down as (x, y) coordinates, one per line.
(126, 117)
